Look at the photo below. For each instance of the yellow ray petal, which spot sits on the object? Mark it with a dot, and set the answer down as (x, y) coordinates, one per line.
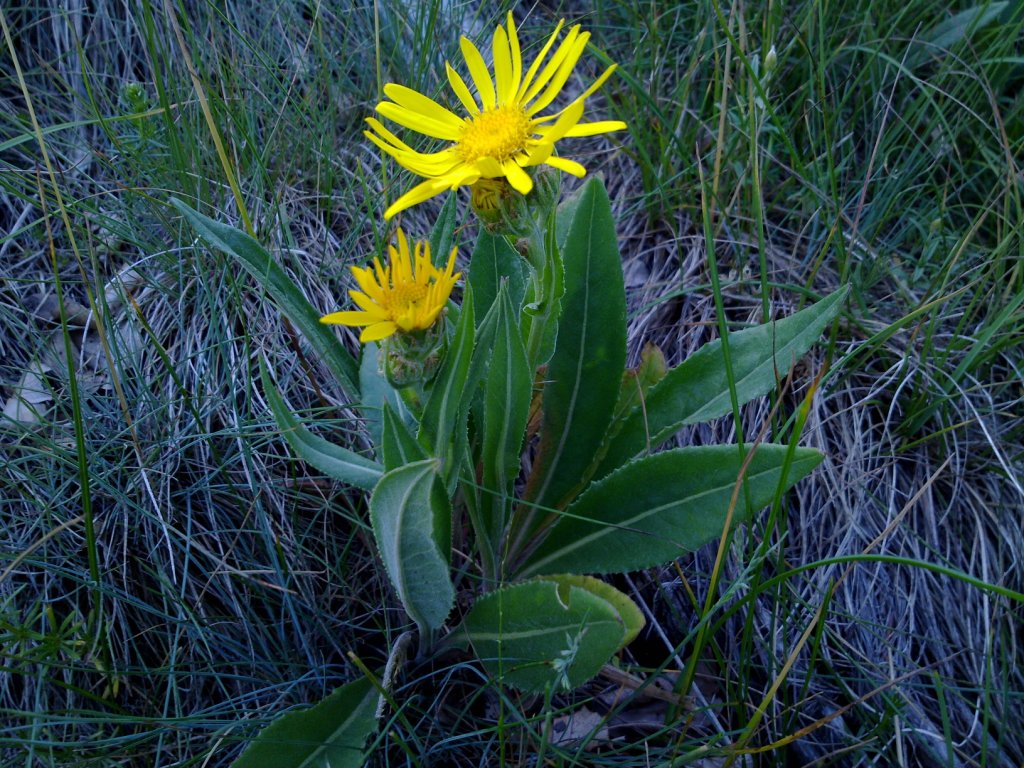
(423, 165)
(488, 167)
(517, 177)
(569, 117)
(461, 89)
(418, 122)
(525, 86)
(378, 331)
(502, 66)
(538, 153)
(552, 67)
(450, 266)
(386, 135)
(367, 305)
(599, 82)
(558, 80)
(401, 265)
(517, 57)
(596, 128)
(424, 267)
(398, 149)
(368, 283)
(383, 273)
(417, 194)
(348, 318)
(424, 105)
(567, 165)
(478, 71)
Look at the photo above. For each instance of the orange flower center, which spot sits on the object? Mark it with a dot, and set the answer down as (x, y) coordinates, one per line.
(499, 133)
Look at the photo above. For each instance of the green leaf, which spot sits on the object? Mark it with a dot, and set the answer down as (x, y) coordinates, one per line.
(542, 633)
(398, 446)
(539, 318)
(332, 734)
(506, 408)
(255, 259)
(493, 261)
(957, 27)
(446, 406)
(443, 234)
(659, 507)
(698, 389)
(333, 460)
(376, 393)
(585, 371)
(408, 522)
(638, 382)
(631, 616)
(564, 215)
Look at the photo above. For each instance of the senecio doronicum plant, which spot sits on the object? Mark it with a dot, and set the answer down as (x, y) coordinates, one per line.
(512, 411)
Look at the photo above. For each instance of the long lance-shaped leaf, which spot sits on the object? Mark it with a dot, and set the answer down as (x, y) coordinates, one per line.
(332, 734)
(405, 518)
(493, 262)
(585, 371)
(333, 460)
(258, 262)
(506, 408)
(398, 446)
(446, 404)
(659, 507)
(544, 633)
(442, 236)
(564, 215)
(698, 388)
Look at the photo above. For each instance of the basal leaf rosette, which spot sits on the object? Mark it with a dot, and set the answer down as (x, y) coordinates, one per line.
(508, 126)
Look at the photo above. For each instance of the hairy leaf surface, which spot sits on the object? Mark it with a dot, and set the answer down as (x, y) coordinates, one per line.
(408, 520)
(659, 507)
(698, 388)
(332, 734)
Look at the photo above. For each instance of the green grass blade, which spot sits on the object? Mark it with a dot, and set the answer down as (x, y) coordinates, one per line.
(258, 262)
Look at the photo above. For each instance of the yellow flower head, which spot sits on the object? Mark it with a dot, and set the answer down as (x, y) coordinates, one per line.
(407, 295)
(507, 131)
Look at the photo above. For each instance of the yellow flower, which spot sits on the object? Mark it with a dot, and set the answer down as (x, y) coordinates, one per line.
(507, 131)
(407, 295)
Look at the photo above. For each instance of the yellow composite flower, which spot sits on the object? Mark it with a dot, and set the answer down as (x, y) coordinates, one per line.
(507, 130)
(407, 295)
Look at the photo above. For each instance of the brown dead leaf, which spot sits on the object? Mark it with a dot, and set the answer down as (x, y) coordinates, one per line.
(31, 397)
(577, 726)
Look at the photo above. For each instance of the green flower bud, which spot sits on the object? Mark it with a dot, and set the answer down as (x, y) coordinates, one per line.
(414, 358)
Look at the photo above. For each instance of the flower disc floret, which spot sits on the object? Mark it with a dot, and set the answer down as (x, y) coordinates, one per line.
(405, 296)
(507, 126)
(499, 133)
